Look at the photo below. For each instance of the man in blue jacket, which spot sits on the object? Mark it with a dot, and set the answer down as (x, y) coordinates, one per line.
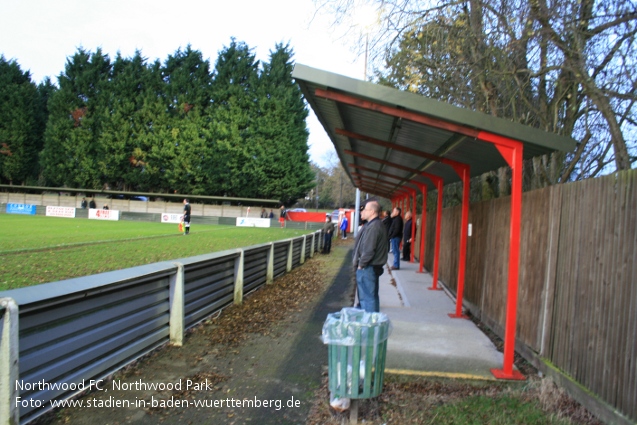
(344, 226)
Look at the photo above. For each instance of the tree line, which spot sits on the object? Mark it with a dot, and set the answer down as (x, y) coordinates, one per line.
(164, 127)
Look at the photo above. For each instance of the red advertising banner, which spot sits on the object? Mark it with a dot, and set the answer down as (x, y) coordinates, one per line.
(315, 217)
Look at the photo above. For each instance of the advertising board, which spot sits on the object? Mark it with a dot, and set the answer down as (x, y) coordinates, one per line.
(52, 211)
(96, 214)
(171, 218)
(21, 209)
(253, 222)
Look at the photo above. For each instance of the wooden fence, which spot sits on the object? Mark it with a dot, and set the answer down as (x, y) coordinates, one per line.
(577, 308)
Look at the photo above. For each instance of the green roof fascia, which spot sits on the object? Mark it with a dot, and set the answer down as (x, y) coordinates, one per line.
(433, 108)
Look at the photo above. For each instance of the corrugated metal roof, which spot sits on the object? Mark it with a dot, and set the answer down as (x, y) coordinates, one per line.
(379, 148)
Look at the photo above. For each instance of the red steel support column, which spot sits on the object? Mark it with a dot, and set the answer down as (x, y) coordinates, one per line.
(511, 150)
(434, 287)
(464, 224)
(413, 224)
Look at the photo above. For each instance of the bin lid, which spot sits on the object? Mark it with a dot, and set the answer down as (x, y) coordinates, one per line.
(353, 326)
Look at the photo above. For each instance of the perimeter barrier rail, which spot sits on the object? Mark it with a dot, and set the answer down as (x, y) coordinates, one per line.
(59, 337)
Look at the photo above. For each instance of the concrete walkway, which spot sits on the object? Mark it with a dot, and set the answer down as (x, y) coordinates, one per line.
(425, 340)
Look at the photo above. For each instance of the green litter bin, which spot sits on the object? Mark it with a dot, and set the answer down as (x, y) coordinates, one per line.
(357, 347)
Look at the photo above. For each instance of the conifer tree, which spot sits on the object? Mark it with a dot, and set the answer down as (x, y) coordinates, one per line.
(124, 134)
(18, 119)
(187, 80)
(232, 167)
(182, 149)
(282, 132)
(45, 90)
(71, 147)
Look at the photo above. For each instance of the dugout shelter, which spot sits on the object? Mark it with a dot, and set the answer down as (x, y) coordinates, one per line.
(396, 144)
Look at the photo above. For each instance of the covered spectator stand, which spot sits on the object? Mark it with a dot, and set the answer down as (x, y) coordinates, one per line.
(392, 142)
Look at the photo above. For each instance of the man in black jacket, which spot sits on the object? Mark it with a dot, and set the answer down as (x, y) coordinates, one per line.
(387, 221)
(407, 237)
(395, 235)
(370, 255)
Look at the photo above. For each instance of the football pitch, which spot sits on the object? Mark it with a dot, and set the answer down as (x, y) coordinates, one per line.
(37, 249)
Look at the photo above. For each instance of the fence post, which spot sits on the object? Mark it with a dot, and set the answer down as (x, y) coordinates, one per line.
(238, 278)
(303, 249)
(312, 246)
(9, 362)
(176, 301)
(288, 267)
(269, 276)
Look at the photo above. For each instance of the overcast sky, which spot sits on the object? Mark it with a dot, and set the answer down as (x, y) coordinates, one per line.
(41, 34)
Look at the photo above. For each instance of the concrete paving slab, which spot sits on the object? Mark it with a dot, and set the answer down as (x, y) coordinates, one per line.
(388, 293)
(425, 340)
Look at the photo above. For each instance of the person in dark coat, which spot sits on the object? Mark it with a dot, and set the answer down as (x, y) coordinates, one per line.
(387, 224)
(328, 231)
(395, 236)
(407, 236)
(387, 221)
(369, 257)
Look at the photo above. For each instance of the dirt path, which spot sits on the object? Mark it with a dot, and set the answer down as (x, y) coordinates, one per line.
(260, 362)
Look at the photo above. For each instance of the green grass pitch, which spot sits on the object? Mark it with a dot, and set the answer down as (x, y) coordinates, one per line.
(37, 249)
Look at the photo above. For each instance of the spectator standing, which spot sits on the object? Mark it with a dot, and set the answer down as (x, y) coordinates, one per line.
(271, 216)
(395, 235)
(343, 227)
(370, 255)
(387, 224)
(387, 221)
(187, 211)
(407, 236)
(92, 204)
(362, 221)
(84, 204)
(328, 231)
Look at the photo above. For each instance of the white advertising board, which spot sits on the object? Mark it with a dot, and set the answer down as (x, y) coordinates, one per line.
(253, 222)
(171, 218)
(52, 211)
(96, 214)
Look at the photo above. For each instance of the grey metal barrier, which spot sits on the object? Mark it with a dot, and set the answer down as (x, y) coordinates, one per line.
(282, 258)
(59, 338)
